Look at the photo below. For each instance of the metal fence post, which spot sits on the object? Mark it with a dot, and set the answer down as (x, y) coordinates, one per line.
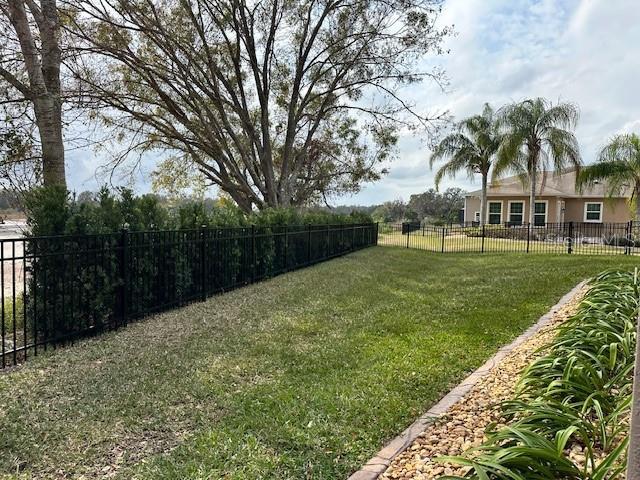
(627, 247)
(253, 253)
(528, 236)
(353, 236)
(286, 248)
(570, 241)
(376, 232)
(203, 267)
(308, 244)
(326, 245)
(442, 248)
(483, 233)
(124, 285)
(408, 235)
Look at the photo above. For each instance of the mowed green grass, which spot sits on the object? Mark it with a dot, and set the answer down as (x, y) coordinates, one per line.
(460, 243)
(303, 376)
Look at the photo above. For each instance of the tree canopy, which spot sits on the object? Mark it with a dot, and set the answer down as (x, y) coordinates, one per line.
(277, 103)
(618, 165)
(537, 135)
(470, 148)
(430, 206)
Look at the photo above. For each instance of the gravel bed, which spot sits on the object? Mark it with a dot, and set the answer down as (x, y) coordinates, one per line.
(464, 424)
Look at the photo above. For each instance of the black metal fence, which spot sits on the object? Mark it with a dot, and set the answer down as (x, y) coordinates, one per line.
(569, 237)
(56, 289)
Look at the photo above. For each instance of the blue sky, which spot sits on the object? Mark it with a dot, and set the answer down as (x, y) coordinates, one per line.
(584, 51)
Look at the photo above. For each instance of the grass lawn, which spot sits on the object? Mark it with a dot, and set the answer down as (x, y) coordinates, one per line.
(455, 243)
(303, 376)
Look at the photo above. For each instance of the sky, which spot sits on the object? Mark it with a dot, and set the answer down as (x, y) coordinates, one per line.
(582, 51)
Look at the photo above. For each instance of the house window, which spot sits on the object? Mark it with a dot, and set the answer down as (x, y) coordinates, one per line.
(516, 213)
(540, 214)
(476, 217)
(495, 213)
(593, 212)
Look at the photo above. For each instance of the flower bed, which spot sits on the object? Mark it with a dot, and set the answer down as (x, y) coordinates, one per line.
(566, 417)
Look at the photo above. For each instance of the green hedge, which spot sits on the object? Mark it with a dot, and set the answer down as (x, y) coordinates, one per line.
(54, 211)
(78, 248)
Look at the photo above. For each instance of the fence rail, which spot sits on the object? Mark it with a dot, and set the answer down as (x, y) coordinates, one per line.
(569, 237)
(56, 289)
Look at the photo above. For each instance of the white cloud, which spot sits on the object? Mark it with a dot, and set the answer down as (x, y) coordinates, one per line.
(573, 50)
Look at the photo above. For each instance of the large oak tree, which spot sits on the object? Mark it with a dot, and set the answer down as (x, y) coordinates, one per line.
(277, 102)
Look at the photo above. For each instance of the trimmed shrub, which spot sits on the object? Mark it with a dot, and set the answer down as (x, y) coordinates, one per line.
(79, 265)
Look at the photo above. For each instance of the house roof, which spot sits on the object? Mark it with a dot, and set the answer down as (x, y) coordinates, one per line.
(547, 185)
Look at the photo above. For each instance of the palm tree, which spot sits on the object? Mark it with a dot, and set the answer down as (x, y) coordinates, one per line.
(471, 147)
(537, 135)
(619, 165)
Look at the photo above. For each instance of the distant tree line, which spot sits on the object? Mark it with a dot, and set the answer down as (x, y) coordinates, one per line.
(428, 207)
(10, 200)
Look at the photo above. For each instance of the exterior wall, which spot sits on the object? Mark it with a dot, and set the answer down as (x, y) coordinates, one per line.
(472, 205)
(615, 210)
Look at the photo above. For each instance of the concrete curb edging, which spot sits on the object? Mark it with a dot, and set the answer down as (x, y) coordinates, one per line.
(377, 465)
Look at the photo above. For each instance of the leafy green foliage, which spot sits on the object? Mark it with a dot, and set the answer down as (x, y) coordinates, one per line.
(618, 165)
(578, 393)
(430, 206)
(80, 264)
(53, 211)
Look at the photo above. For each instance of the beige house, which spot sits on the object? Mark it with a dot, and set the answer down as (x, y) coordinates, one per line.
(557, 201)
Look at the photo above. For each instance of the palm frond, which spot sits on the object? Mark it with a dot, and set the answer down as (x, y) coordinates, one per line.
(537, 134)
(562, 115)
(510, 157)
(616, 174)
(470, 148)
(624, 148)
(564, 149)
(449, 146)
(459, 161)
(618, 165)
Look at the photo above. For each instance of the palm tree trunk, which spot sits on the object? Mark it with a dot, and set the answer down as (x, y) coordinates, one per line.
(532, 195)
(483, 199)
(635, 194)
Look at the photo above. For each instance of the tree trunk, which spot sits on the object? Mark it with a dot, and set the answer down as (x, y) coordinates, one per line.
(532, 195)
(483, 200)
(633, 454)
(42, 65)
(49, 120)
